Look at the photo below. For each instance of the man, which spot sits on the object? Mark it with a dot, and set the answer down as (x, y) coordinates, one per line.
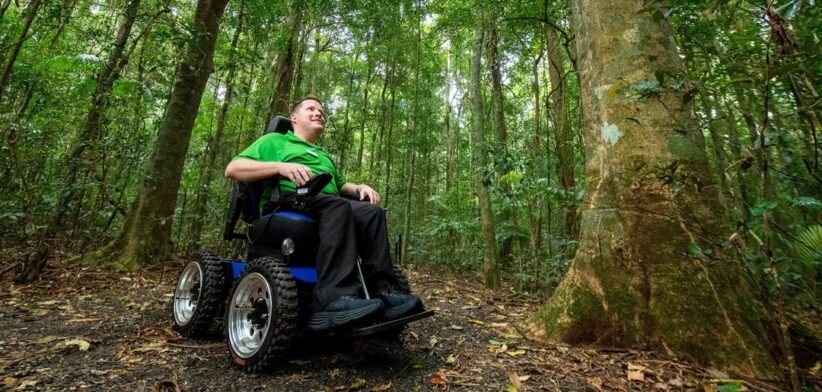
(346, 227)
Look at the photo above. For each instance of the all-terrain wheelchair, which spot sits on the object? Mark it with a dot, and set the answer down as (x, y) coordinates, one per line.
(265, 301)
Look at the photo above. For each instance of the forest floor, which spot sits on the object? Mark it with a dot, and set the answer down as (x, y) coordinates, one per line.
(84, 328)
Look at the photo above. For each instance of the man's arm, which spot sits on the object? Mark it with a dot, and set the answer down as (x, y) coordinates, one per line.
(249, 170)
(363, 190)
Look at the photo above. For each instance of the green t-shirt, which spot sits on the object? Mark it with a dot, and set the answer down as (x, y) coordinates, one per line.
(277, 147)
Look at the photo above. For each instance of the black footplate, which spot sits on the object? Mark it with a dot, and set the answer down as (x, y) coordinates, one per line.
(389, 325)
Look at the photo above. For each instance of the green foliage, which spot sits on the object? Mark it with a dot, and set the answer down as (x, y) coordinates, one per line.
(808, 246)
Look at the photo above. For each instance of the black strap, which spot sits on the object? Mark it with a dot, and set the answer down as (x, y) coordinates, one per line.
(275, 198)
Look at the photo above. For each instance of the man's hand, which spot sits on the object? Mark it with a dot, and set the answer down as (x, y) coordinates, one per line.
(296, 173)
(367, 191)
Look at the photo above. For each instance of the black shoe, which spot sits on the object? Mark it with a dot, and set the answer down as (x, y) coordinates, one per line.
(398, 304)
(345, 311)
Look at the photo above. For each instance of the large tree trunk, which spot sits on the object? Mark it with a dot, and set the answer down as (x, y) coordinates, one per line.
(146, 235)
(490, 266)
(284, 68)
(31, 13)
(650, 272)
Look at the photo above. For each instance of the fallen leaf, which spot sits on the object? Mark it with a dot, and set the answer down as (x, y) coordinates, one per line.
(595, 382)
(297, 377)
(514, 378)
(478, 322)
(47, 339)
(47, 303)
(81, 344)
(381, 387)
(9, 381)
(417, 362)
(716, 373)
(636, 372)
(84, 320)
(815, 369)
(452, 359)
(357, 384)
(524, 378)
(438, 379)
(433, 341)
(25, 384)
(457, 327)
(515, 353)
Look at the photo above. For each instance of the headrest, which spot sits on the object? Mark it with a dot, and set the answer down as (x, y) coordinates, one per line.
(279, 124)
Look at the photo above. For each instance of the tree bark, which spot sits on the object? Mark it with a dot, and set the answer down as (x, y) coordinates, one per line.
(490, 266)
(146, 235)
(650, 272)
(31, 13)
(284, 68)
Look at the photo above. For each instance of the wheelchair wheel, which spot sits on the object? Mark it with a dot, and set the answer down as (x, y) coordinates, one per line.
(261, 320)
(198, 295)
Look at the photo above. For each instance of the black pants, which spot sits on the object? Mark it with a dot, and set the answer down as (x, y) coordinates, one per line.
(348, 228)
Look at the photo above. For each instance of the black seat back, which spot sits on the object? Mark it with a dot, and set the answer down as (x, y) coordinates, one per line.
(245, 197)
(279, 124)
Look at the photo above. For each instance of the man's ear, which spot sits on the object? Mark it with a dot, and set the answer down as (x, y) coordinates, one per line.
(292, 117)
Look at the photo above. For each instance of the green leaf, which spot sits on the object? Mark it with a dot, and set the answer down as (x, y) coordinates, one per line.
(807, 202)
(763, 207)
(697, 251)
(808, 246)
(730, 387)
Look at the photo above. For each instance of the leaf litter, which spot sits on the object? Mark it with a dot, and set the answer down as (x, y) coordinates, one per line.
(91, 329)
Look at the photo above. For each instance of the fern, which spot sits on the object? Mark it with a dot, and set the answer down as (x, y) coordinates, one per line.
(808, 246)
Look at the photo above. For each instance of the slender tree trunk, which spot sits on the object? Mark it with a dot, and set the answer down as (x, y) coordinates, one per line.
(82, 152)
(214, 146)
(345, 138)
(65, 16)
(564, 138)
(535, 201)
(413, 150)
(365, 116)
(490, 266)
(501, 138)
(284, 68)
(449, 146)
(31, 13)
(146, 235)
(85, 146)
(4, 6)
(650, 272)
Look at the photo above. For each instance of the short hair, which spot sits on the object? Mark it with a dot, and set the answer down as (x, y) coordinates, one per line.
(303, 99)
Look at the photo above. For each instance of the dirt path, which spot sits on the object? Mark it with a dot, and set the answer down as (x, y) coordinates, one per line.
(81, 328)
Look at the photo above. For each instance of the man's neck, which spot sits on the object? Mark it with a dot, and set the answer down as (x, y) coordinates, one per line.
(308, 136)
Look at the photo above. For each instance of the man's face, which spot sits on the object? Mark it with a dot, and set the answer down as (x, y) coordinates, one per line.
(309, 116)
